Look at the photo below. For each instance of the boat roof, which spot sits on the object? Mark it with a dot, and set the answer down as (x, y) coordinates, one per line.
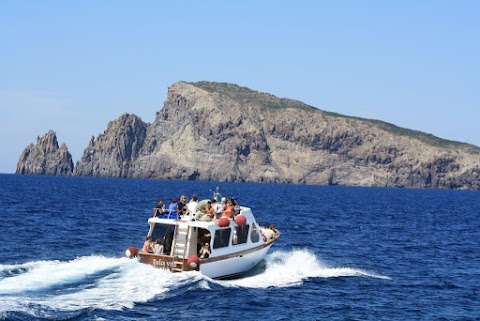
(202, 224)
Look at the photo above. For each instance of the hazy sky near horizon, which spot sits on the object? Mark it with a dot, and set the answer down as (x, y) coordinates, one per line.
(73, 66)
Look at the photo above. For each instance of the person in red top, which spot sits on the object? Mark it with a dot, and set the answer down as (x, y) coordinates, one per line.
(229, 211)
(210, 211)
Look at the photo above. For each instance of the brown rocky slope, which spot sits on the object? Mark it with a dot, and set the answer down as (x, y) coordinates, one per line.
(224, 132)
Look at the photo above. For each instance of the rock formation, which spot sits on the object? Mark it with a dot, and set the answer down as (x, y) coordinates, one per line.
(46, 158)
(224, 132)
(115, 151)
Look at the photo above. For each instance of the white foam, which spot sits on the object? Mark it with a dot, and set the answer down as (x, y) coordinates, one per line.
(285, 269)
(121, 283)
(45, 274)
(114, 284)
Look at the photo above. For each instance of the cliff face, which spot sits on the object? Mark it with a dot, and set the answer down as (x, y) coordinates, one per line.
(224, 132)
(46, 158)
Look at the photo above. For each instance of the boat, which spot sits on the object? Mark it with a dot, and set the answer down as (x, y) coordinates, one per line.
(235, 245)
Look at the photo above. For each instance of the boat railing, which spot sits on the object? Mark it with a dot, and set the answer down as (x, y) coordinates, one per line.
(166, 214)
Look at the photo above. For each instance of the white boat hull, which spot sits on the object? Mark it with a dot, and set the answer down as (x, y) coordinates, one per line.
(232, 266)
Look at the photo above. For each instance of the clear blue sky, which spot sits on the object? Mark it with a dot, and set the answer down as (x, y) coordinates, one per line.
(73, 66)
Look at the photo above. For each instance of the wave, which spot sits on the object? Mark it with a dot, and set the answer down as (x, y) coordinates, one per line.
(285, 269)
(84, 283)
(97, 282)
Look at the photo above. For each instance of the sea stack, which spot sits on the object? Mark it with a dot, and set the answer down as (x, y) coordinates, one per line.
(46, 158)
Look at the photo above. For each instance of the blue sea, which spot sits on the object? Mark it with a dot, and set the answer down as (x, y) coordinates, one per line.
(346, 253)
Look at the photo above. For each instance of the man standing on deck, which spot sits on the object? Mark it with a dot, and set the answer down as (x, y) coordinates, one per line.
(192, 208)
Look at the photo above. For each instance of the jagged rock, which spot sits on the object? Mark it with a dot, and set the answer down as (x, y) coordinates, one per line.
(113, 153)
(46, 158)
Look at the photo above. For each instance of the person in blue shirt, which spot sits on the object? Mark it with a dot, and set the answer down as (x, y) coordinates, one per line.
(173, 207)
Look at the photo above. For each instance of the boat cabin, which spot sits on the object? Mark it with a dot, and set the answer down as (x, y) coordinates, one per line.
(183, 239)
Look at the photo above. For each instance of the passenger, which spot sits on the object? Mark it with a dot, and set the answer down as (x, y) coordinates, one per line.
(159, 208)
(236, 206)
(223, 204)
(158, 248)
(192, 207)
(273, 228)
(204, 251)
(209, 213)
(182, 206)
(173, 207)
(229, 210)
(217, 207)
(268, 233)
(147, 246)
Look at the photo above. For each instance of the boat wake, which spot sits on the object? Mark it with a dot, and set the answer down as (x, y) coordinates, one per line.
(293, 268)
(45, 288)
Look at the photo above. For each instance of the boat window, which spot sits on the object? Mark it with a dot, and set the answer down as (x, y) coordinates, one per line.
(221, 238)
(240, 235)
(204, 236)
(255, 236)
(164, 233)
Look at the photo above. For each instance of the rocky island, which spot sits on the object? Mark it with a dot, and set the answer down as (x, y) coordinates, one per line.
(46, 158)
(224, 132)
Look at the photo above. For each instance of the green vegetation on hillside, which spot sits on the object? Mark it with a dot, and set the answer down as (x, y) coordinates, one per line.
(415, 134)
(248, 96)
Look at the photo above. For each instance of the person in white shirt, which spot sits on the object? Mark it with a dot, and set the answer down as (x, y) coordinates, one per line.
(217, 207)
(268, 233)
(192, 208)
(158, 248)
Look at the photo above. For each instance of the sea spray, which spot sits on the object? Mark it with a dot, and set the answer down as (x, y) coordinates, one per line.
(84, 283)
(292, 268)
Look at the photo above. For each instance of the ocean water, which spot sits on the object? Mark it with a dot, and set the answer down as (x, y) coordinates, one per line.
(345, 253)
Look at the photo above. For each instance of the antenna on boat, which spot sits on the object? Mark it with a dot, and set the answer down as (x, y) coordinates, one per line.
(216, 194)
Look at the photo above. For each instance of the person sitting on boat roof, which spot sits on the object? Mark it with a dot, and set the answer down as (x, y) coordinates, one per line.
(192, 207)
(173, 207)
(217, 207)
(205, 251)
(208, 213)
(147, 246)
(159, 207)
(229, 210)
(182, 206)
(236, 205)
(223, 203)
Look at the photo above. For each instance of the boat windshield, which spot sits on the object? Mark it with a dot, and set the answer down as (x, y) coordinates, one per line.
(163, 233)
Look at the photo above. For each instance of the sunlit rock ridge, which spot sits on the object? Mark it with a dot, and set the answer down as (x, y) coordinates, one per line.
(224, 132)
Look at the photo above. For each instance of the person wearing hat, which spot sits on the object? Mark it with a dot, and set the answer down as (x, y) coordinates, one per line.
(223, 203)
